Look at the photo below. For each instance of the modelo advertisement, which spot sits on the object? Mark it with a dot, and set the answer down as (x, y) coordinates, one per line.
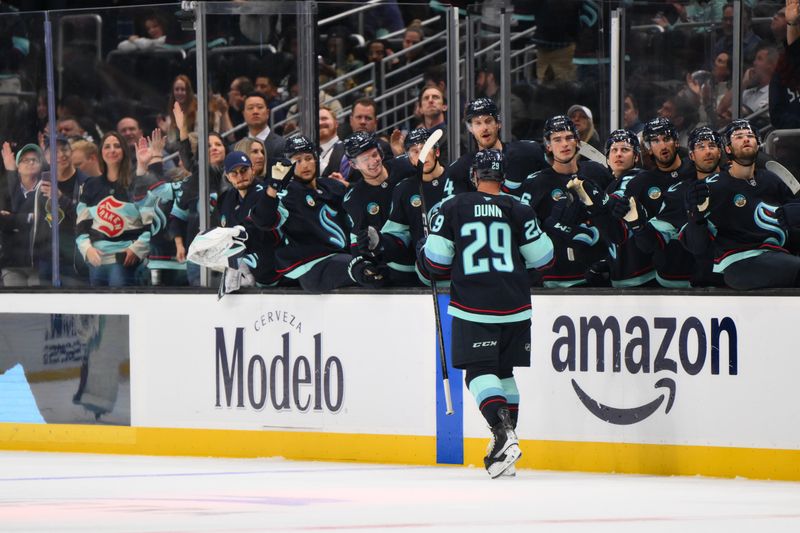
(693, 370)
(335, 363)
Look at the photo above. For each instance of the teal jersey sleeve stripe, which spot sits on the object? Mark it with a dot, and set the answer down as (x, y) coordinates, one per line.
(537, 253)
(439, 250)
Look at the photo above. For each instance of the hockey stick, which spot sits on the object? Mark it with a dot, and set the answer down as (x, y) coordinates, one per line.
(423, 155)
(783, 173)
(591, 153)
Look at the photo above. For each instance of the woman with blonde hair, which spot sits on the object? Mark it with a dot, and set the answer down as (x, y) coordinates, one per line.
(257, 153)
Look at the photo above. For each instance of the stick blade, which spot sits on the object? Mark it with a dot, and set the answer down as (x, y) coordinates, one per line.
(783, 173)
(591, 153)
(428, 146)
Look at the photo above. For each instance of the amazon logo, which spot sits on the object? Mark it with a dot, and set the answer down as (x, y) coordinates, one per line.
(661, 347)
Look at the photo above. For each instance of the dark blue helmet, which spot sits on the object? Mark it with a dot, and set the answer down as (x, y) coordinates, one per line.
(659, 126)
(488, 165)
(704, 133)
(559, 123)
(299, 144)
(622, 136)
(417, 136)
(740, 124)
(358, 143)
(479, 107)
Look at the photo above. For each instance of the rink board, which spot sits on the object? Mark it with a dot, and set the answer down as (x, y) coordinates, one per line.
(618, 383)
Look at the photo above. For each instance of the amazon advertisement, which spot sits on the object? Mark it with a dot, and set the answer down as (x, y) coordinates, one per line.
(688, 370)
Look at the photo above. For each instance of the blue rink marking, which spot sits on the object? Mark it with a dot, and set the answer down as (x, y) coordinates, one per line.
(449, 429)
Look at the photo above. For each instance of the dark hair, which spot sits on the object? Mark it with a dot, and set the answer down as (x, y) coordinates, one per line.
(256, 94)
(367, 102)
(434, 87)
(124, 166)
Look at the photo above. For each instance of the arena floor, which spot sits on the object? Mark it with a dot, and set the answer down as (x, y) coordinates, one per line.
(108, 493)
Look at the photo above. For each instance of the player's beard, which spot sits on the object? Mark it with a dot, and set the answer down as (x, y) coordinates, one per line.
(669, 162)
(745, 161)
(706, 168)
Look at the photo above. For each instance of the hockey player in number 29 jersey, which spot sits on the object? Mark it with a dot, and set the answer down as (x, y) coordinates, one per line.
(484, 242)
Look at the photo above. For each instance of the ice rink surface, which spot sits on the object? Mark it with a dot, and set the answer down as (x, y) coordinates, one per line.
(108, 493)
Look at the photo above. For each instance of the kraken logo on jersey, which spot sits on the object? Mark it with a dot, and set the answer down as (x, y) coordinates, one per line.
(310, 200)
(556, 194)
(373, 208)
(674, 187)
(327, 218)
(416, 201)
(739, 200)
(765, 218)
(654, 193)
(111, 223)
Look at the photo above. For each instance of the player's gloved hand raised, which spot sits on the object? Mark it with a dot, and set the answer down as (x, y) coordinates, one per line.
(589, 193)
(282, 174)
(789, 215)
(636, 216)
(696, 197)
(368, 243)
(618, 206)
(564, 215)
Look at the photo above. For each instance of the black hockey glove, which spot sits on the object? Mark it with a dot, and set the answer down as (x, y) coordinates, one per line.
(590, 194)
(789, 215)
(618, 206)
(282, 174)
(563, 218)
(696, 197)
(367, 273)
(368, 243)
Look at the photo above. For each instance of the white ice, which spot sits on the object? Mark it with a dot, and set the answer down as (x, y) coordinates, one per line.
(108, 493)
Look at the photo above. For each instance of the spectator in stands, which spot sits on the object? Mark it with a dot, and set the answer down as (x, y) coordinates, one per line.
(128, 128)
(85, 158)
(414, 35)
(582, 117)
(363, 117)
(70, 128)
(239, 87)
(255, 151)
(264, 85)
(183, 94)
(630, 115)
(784, 88)
(184, 223)
(377, 50)
(70, 180)
(682, 111)
(328, 139)
(750, 40)
(23, 173)
(557, 28)
(256, 115)
(156, 29)
(324, 99)
(112, 251)
(487, 82)
(777, 27)
(756, 96)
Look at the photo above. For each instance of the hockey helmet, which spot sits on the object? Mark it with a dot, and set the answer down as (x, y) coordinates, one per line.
(479, 107)
(358, 143)
(559, 123)
(658, 126)
(740, 124)
(417, 136)
(488, 165)
(622, 136)
(704, 133)
(299, 144)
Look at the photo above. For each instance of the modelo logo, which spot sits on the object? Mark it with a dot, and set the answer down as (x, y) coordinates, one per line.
(293, 382)
(648, 349)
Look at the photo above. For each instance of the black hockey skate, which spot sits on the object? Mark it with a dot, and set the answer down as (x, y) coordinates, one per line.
(503, 450)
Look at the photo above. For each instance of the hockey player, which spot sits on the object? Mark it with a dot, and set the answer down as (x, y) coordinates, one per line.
(397, 240)
(484, 242)
(235, 206)
(308, 211)
(577, 242)
(630, 267)
(521, 157)
(368, 201)
(676, 267)
(741, 208)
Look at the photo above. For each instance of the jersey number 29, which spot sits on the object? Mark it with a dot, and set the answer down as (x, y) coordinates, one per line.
(497, 238)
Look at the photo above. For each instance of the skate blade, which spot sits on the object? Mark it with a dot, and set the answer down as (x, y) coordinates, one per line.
(513, 454)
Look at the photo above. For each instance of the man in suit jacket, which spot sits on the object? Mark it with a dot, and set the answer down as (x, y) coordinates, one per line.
(256, 115)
